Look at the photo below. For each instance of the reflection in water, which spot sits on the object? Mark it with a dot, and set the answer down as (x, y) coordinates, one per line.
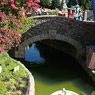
(33, 55)
(59, 71)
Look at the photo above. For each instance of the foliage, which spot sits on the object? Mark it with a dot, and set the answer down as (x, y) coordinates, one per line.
(26, 23)
(85, 4)
(45, 3)
(93, 93)
(56, 3)
(11, 81)
(11, 15)
(8, 65)
(52, 12)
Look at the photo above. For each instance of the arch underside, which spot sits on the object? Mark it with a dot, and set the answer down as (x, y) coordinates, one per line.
(72, 42)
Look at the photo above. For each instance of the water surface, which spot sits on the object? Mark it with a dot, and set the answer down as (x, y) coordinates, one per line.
(54, 70)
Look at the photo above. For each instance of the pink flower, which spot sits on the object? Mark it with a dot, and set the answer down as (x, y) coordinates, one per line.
(12, 45)
(12, 33)
(35, 8)
(17, 43)
(8, 41)
(9, 47)
(11, 1)
(14, 16)
(22, 19)
(5, 37)
(2, 18)
(0, 35)
(16, 33)
(36, 1)
(2, 40)
(28, 4)
(14, 7)
(2, 48)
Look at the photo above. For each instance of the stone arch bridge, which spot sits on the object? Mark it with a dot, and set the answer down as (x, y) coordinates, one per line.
(75, 35)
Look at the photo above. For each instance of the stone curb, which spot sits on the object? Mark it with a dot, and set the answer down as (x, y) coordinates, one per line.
(31, 83)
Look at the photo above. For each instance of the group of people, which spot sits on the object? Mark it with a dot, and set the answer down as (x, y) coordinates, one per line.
(75, 12)
(43, 11)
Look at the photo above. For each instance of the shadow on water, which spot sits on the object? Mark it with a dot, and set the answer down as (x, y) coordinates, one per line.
(56, 71)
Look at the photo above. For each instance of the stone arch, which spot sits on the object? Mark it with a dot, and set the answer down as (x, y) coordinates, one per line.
(59, 37)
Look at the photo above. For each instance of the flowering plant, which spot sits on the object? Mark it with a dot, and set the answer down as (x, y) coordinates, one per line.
(11, 15)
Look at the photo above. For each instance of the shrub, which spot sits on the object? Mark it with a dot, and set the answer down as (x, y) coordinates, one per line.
(10, 93)
(13, 81)
(52, 12)
(18, 92)
(10, 80)
(3, 90)
(12, 88)
(21, 86)
(93, 93)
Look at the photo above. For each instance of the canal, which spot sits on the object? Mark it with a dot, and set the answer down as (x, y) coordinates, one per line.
(54, 70)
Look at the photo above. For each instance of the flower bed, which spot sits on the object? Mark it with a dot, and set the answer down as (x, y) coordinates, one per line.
(12, 82)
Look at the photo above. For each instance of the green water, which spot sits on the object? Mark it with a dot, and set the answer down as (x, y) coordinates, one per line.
(59, 71)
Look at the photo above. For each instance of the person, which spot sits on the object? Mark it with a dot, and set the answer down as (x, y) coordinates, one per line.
(39, 11)
(60, 13)
(80, 13)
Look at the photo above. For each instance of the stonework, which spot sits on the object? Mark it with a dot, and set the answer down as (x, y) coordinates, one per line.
(76, 33)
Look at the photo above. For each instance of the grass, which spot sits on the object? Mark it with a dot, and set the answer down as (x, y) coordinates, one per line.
(12, 83)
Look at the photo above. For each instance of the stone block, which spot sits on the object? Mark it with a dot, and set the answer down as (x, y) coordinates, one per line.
(52, 34)
(30, 40)
(26, 43)
(19, 54)
(46, 36)
(21, 48)
(58, 37)
(34, 39)
(38, 38)
(42, 36)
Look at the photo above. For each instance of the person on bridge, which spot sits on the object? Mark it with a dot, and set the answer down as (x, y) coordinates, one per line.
(60, 13)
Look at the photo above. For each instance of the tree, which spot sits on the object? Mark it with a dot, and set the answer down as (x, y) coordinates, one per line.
(45, 3)
(56, 3)
(85, 4)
